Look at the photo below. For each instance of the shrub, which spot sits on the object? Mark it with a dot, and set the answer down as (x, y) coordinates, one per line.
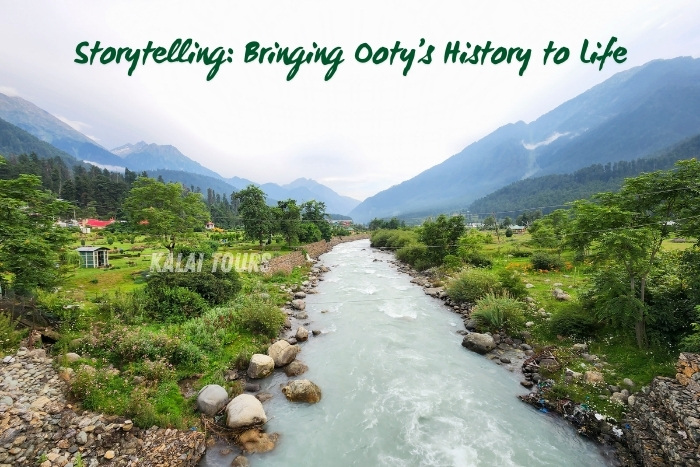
(545, 261)
(472, 285)
(452, 262)
(512, 283)
(494, 313)
(10, 336)
(477, 259)
(174, 304)
(573, 321)
(411, 253)
(255, 315)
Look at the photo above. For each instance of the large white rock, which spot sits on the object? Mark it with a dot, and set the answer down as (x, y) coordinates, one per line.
(480, 343)
(283, 353)
(299, 304)
(302, 334)
(211, 398)
(302, 390)
(244, 411)
(260, 366)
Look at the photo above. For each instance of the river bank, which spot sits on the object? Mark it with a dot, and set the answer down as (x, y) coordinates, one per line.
(397, 387)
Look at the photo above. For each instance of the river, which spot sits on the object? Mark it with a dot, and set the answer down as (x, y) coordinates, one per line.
(398, 388)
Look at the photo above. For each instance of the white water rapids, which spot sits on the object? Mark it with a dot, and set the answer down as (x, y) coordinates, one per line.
(399, 389)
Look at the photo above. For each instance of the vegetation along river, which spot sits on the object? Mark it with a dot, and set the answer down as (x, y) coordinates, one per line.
(399, 389)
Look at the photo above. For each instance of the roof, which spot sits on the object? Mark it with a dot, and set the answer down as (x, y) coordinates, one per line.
(91, 248)
(97, 223)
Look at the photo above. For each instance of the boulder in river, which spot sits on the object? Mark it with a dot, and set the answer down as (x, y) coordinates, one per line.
(299, 304)
(283, 353)
(260, 366)
(254, 440)
(295, 368)
(302, 390)
(211, 398)
(479, 343)
(302, 334)
(245, 411)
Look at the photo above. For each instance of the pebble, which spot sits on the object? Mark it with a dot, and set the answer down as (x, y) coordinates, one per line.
(36, 418)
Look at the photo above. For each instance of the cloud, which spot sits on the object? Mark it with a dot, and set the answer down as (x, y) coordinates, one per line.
(78, 126)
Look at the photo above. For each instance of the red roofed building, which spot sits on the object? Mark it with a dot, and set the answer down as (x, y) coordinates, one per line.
(96, 223)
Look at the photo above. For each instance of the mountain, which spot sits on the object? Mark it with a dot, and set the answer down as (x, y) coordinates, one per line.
(27, 128)
(305, 189)
(50, 129)
(142, 156)
(626, 117)
(550, 192)
(15, 141)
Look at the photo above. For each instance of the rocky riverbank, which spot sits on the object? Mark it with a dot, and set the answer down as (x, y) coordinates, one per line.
(40, 427)
(662, 424)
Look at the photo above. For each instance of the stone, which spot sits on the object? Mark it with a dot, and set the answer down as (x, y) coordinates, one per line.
(300, 294)
(529, 324)
(479, 343)
(301, 315)
(619, 398)
(261, 366)
(6, 400)
(593, 377)
(560, 295)
(302, 334)
(580, 347)
(282, 353)
(628, 382)
(527, 384)
(504, 360)
(295, 368)
(256, 441)
(72, 357)
(316, 332)
(302, 390)
(81, 437)
(128, 425)
(251, 387)
(299, 304)
(211, 398)
(40, 402)
(240, 461)
(109, 454)
(263, 396)
(245, 411)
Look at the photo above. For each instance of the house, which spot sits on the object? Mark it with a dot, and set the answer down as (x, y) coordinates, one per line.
(209, 225)
(93, 256)
(96, 223)
(517, 229)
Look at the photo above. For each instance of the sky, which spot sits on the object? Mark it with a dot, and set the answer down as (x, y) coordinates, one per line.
(366, 128)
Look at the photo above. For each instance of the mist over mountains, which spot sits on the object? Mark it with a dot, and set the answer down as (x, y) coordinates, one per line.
(630, 115)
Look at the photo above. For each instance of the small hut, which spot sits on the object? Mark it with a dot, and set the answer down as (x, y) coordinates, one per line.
(93, 256)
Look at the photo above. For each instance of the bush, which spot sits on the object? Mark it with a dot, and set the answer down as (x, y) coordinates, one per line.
(255, 315)
(494, 313)
(10, 336)
(573, 321)
(174, 304)
(477, 259)
(472, 285)
(411, 253)
(541, 260)
(512, 283)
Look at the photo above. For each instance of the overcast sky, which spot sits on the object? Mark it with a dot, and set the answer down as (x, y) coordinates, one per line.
(368, 127)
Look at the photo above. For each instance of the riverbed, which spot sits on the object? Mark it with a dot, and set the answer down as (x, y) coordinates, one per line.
(398, 388)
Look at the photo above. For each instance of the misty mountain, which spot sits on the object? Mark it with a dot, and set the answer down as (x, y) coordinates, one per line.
(15, 141)
(143, 156)
(50, 129)
(630, 115)
(305, 189)
(550, 192)
(29, 128)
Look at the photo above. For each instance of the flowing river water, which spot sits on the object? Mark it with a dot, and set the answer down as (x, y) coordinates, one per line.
(399, 389)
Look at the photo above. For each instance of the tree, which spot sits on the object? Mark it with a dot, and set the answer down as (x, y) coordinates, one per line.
(441, 236)
(164, 210)
(255, 214)
(315, 211)
(288, 218)
(627, 229)
(31, 246)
